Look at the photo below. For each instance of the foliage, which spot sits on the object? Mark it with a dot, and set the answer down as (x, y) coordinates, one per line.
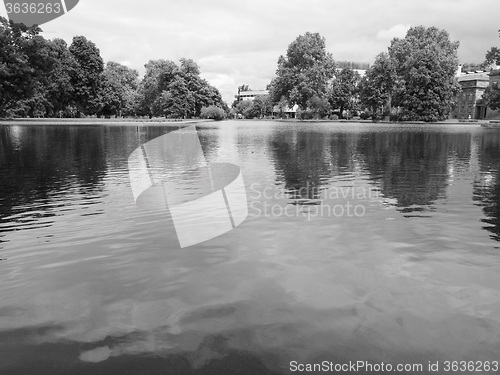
(152, 85)
(261, 106)
(318, 108)
(245, 108)
(377, 87)
(343, 90)
(492, 56)
(364, 115)
(175, 90)
(471, 67)
(282, 106)
(60, 90)
(425, 62)
(304, 72)
(243, 88)
(491, 97)
(213, 112)
(118, 90)
(352, 65)
(40, 77)
(19, 80)
(305, 114)
(177, 101)
(86, 75)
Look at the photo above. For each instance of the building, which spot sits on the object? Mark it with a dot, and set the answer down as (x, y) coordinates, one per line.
(286, 112)
(250, 94)
(469, 100)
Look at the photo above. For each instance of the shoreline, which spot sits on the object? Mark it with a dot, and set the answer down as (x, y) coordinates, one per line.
(446, 122)
(99, 122)
(167, 122)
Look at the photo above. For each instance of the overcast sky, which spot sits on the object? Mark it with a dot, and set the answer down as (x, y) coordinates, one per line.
(239, 42)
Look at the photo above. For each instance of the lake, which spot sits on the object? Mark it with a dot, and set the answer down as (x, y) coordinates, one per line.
(363, 242)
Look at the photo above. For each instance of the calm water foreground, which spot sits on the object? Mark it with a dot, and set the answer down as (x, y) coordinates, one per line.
(363, 243)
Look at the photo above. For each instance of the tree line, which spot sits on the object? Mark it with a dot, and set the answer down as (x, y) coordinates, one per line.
(48, 78)
(414, 80)
(491, 96)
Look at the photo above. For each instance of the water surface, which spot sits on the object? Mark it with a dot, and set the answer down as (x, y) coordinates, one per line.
(366, 242)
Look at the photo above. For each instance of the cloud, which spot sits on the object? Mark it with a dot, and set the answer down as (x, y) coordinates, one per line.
(397, 31)
(239, 43)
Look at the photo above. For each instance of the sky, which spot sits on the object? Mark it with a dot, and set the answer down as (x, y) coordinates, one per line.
(239, 42)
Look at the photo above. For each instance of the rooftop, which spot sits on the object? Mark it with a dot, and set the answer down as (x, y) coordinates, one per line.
(474, 76)
(254, 92)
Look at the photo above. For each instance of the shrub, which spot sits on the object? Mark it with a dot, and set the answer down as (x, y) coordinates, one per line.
(306, 115)
(213, 112)
(364, 116)
(393, 117)
(319, 107)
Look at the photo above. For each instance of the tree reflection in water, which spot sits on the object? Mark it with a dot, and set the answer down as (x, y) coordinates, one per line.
(487, 182)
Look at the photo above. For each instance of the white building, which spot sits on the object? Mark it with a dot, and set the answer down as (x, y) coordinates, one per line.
(250, 94)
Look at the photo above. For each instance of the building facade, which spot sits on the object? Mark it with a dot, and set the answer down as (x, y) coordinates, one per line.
(250, 94)
(287, 112)
(468, 102)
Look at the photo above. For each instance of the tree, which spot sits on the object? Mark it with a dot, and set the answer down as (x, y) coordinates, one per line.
(39, 77)
(17, 77)
(377, 87)
(243, 88)
(118, 90)
(492, 56)
(426, 62)
(158, 75)
(491, 97)
(176, 90)
(343, 89)
(245, 108)
(318, 107)
(86, 76)
(178, 101)
(304, 72)
(471, 67)
(109, 98)
(261, 106)
(60, 89)
(213, 112)
(282, 106)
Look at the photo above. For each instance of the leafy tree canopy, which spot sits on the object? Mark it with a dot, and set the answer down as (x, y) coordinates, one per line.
(86, 75)
(425, 62)
(378, 85)
(492, 56)
(304, 72)
(343, 90)
(491, 97)
(176, 90)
